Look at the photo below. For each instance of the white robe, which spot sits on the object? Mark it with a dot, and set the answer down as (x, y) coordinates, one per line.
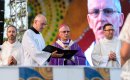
(14, 50)
(100, 54)
(33, 45)
(88, 53)
(125, 36)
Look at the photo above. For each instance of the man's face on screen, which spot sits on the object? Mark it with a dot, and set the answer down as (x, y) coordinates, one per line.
(101, 12)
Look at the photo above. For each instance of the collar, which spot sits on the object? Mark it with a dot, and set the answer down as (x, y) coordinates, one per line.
(33, 29)
(7, 43)
(62, 45)
(65, 42)
(107, 40)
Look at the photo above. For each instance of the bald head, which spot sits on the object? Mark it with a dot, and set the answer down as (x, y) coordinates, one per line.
(40, 17)
(39, 22)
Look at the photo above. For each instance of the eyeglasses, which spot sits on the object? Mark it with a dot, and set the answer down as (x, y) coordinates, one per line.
(106, 12)
(65, 31)
(109, 30)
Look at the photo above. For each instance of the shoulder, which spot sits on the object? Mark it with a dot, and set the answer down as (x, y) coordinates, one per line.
(55, 44)
(116, 39)
(74, 42)
(4, 44)
(102, 40)
(29, 31)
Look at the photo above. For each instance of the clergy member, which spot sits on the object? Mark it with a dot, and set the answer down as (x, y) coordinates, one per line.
(34, 43)
(108, 49)
(12, 51)
(64, 42)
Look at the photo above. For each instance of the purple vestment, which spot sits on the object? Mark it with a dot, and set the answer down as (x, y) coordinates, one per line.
(78, 58)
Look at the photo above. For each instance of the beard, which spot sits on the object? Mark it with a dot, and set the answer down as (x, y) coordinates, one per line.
(12, 37)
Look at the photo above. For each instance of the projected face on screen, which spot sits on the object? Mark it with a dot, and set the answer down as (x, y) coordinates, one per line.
(102, 12)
